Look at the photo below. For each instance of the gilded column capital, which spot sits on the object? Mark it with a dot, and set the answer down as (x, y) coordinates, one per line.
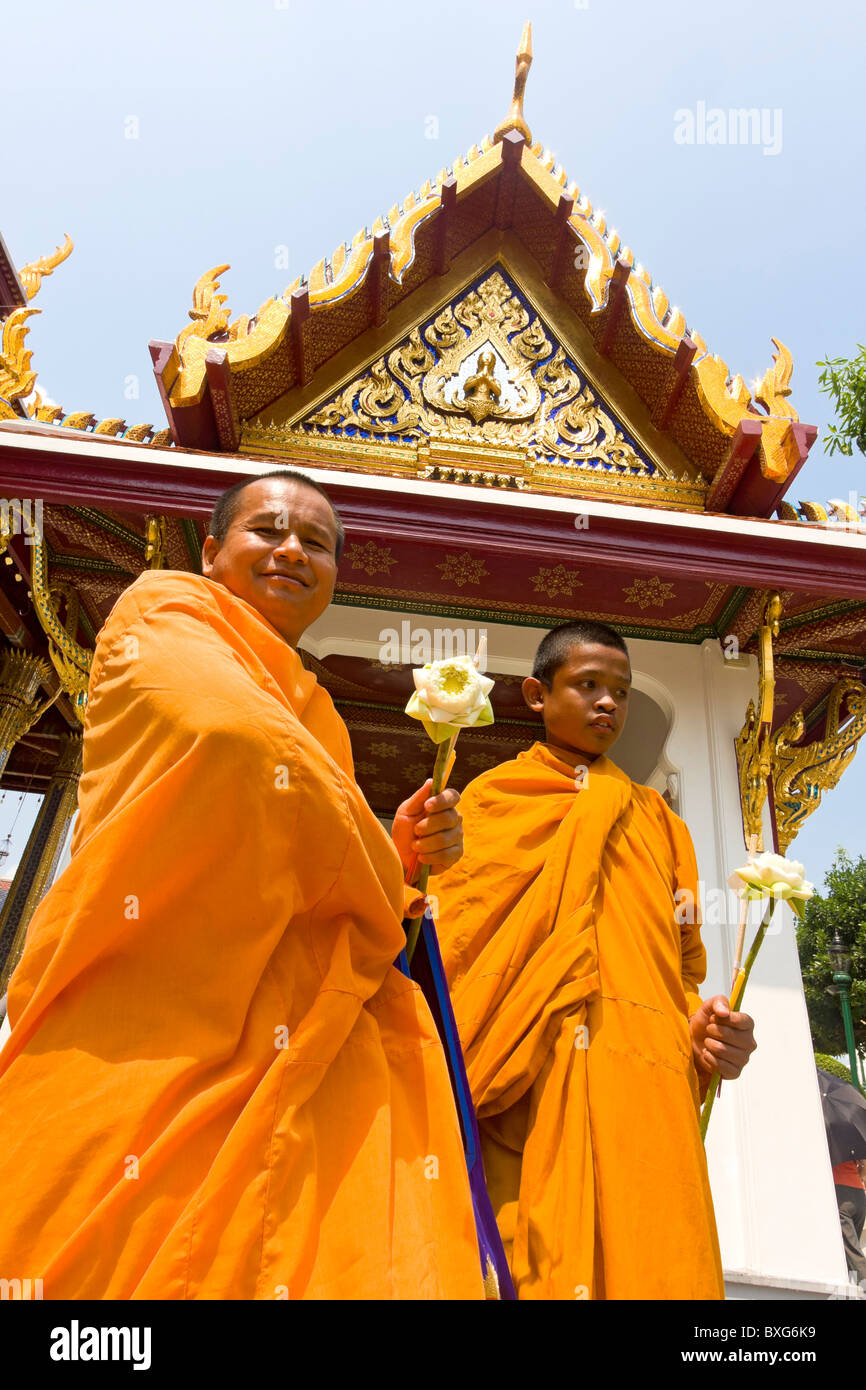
(21, 676)
(68, 765)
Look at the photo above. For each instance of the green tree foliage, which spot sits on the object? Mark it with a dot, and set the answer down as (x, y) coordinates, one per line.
(832, 1066)
(845, 382)
(842, 905)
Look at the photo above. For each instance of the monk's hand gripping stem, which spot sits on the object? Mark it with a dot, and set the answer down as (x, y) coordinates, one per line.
(441, 768)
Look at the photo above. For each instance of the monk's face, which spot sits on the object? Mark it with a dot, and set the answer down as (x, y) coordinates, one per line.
(279, 554)
(584, 710)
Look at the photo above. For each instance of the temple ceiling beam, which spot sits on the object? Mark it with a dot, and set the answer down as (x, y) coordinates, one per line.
(761, 489)
(379, 278)
(298, 323)
(13, 627)
(678, 373)
(512, 150)
(225, 413)
(448, 202)
(747, 437)
(743, 490)
(616, 301)
(565, 242)
(166, 365)
(12, 294)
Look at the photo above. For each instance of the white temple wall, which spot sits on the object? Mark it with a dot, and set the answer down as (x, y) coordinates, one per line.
(767, 1152)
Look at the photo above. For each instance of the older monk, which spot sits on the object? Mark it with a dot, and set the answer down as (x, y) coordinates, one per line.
(217, 1085)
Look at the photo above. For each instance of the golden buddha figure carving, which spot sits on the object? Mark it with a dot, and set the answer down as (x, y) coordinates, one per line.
(483, 386)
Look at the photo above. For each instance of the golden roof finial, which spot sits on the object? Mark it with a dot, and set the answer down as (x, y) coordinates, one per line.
(514, 120)
(31, 275)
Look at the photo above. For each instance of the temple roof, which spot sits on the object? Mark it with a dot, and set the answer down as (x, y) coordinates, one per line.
(689, 434)
(520, 331)
(12, 294)
(507, 203)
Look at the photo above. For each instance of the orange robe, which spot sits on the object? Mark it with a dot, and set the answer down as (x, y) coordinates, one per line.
(572, 982)
(217, 1085)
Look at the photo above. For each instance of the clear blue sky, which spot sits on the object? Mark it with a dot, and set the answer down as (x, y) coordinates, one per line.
(266, 124)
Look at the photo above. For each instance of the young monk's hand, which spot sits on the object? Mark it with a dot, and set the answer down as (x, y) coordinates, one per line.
(721, 1041)
(429, 827)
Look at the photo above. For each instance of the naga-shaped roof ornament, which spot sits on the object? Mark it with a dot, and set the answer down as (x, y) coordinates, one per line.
(514, 120)
(32, 274)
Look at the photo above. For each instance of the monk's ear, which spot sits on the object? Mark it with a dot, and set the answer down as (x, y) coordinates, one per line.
(208, 554)
(533, 693)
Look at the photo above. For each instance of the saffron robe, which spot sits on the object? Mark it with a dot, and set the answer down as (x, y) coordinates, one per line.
(217, 1085)
(572, 980)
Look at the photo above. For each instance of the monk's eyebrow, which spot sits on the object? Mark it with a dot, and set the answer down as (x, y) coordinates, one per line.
(595, 671)
(272, 516)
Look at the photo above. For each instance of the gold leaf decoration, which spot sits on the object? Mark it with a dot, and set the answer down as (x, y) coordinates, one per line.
(555, 581)
(801, 776)
(462, 569)
(648, 593)
(384, 750)
(483, 371)
(371, 558)
(774, 387)
(32, 274)
(16, 377)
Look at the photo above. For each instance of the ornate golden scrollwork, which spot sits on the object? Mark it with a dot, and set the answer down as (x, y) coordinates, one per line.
(70, 660)
(16, 377)
(753, 744)
(210, 313)
(483, 372)
(774, 388)
(801, 776)
(485, 376)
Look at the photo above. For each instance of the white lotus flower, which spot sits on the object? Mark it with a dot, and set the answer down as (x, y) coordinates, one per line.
(450, 695)
(772, 876)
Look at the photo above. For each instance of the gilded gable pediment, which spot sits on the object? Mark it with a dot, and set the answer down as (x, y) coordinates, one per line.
(481, 386)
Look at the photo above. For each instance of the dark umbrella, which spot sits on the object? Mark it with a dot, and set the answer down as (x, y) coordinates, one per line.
(844, 1118)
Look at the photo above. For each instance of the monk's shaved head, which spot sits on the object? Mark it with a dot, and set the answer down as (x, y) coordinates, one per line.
(556, 646)
(226, 506)
(281, 539)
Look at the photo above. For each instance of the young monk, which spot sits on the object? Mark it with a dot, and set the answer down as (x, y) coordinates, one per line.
(575, 989)
(217, 1085)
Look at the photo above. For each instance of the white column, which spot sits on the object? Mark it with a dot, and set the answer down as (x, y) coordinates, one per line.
(767, 1151)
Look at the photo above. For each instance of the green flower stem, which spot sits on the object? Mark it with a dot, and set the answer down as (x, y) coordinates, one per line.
(716, 1079)
(443, 753)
